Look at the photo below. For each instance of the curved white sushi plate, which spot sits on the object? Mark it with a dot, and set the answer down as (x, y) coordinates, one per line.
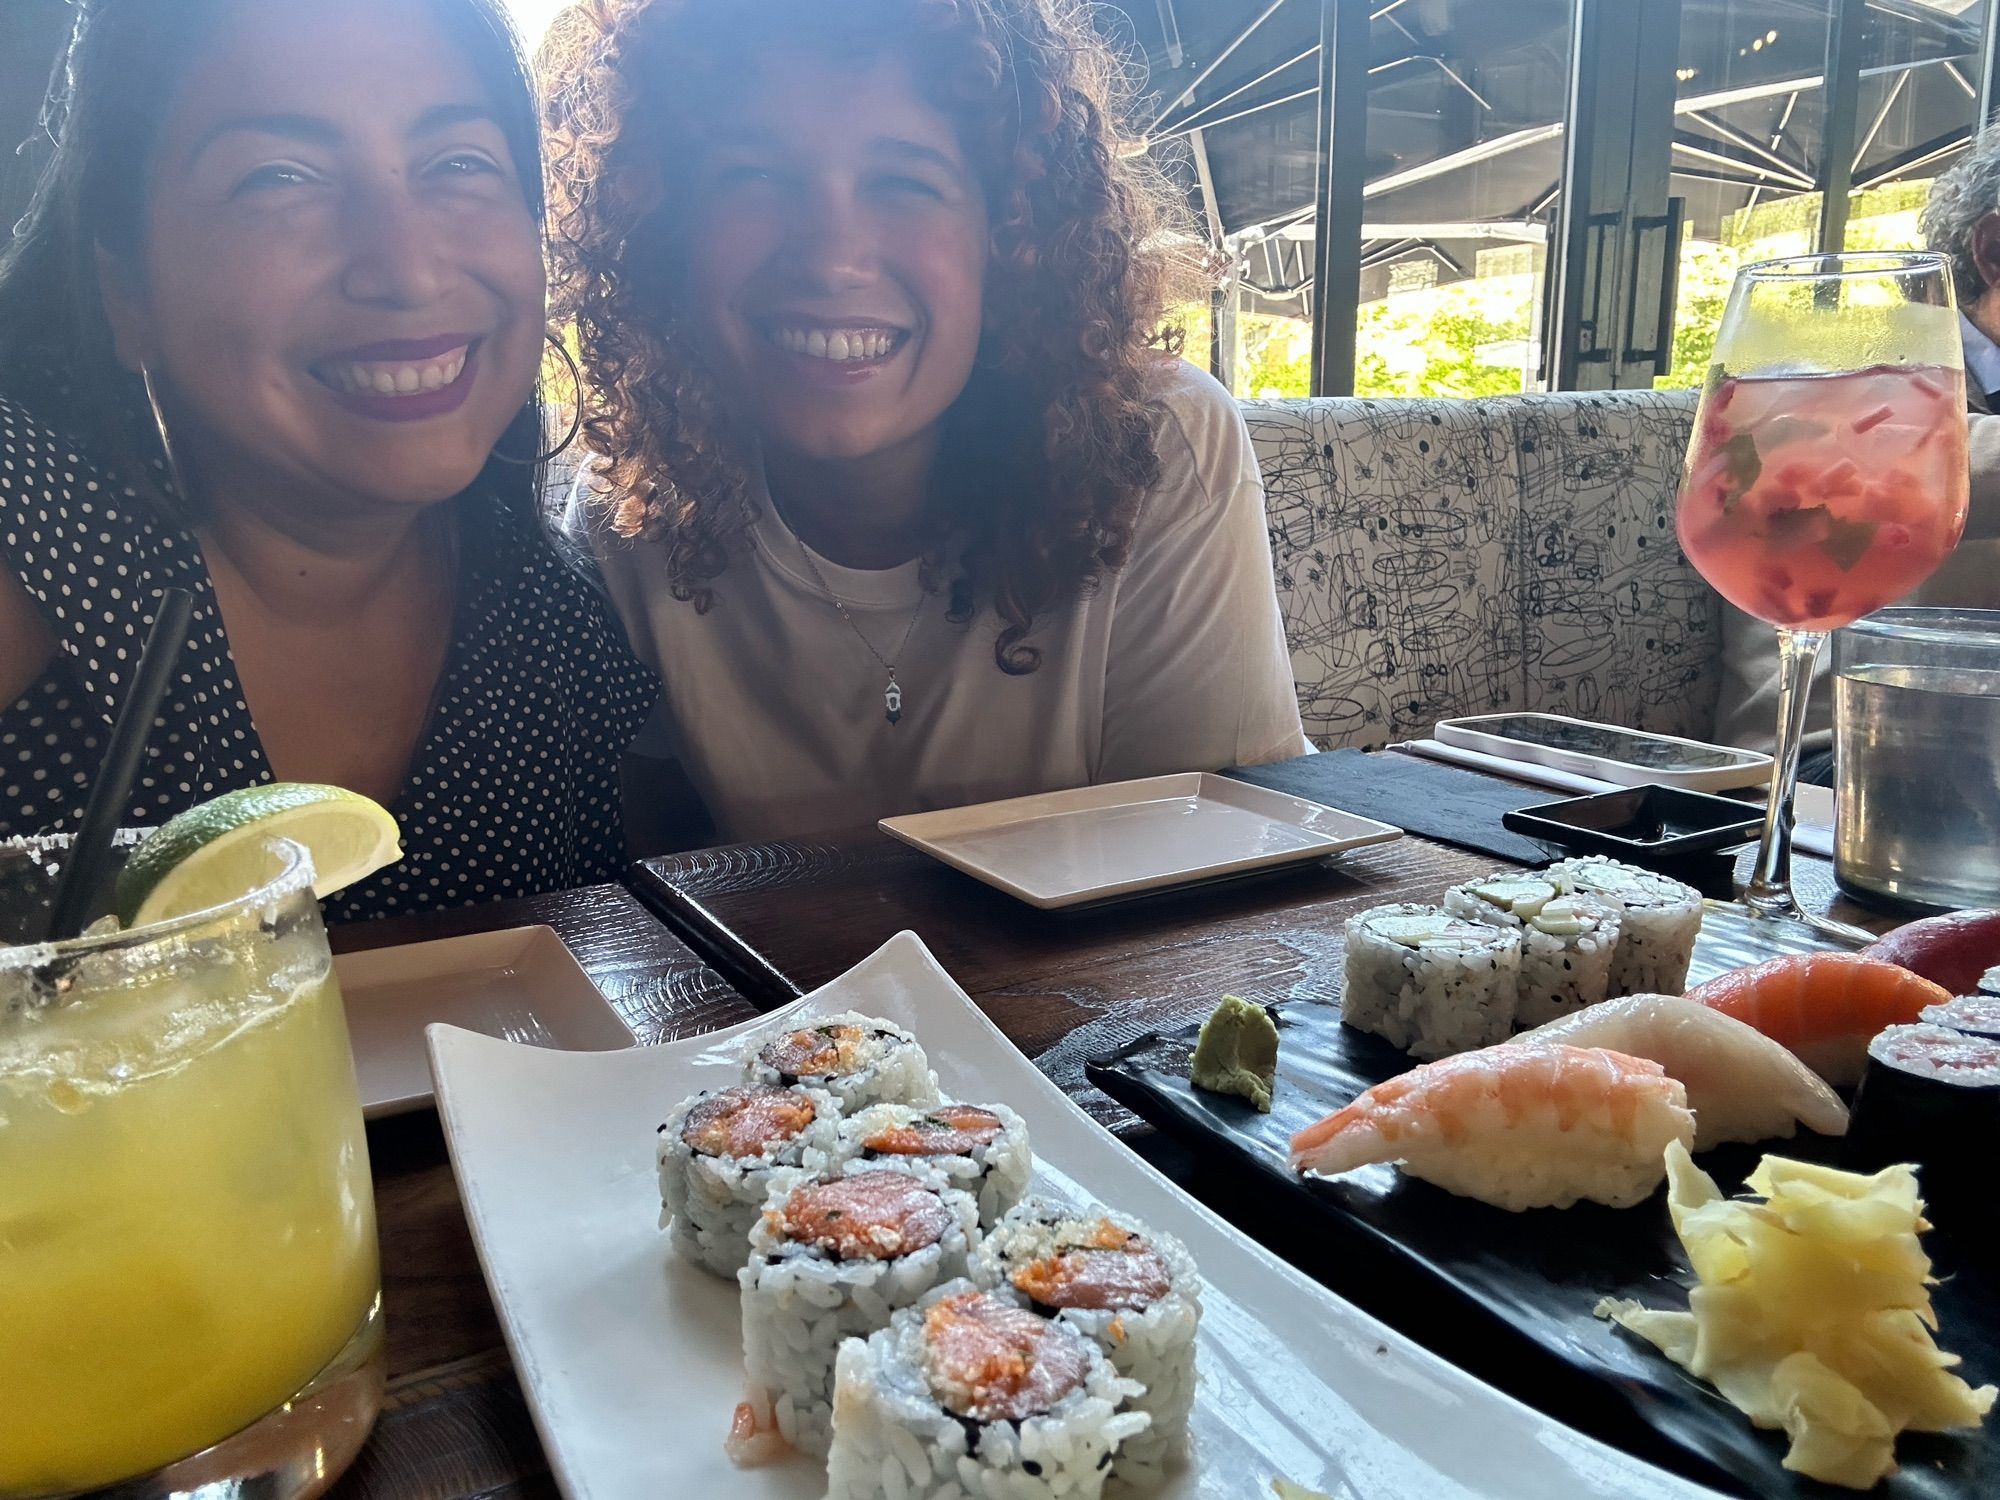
(632, 1359)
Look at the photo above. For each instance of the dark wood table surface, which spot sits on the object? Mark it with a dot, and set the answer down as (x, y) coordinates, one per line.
(765, 923)
(455, 1423)
(783, 918)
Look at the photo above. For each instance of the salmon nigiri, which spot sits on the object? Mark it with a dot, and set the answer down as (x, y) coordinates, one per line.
(1823, 1007)
(1515, 1126)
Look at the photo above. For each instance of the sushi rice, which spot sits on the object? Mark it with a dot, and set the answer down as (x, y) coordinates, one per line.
(711, 1201)
(902, 1136)
(1428, 982)
(1657, 931)
(1148, 1335)
(900, 1433)
(1568, 942)
(802, 1295)
(860, 1060)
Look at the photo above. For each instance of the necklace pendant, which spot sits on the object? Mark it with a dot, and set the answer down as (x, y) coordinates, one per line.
(892, 701)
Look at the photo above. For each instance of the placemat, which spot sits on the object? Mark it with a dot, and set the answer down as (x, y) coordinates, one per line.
(1439, 802)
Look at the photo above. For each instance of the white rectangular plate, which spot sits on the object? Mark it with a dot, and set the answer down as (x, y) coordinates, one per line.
(1095, 843)
(519, 983)
(632, 1358)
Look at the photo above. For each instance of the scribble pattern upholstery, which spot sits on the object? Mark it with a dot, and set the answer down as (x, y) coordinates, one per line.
(1445, 557)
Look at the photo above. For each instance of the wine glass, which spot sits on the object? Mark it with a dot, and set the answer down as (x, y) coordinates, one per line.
(1826, 476)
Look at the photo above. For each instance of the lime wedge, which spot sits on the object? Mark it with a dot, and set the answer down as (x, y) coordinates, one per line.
(217, 852)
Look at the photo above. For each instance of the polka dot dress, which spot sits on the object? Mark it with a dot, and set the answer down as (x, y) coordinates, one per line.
(514, 788)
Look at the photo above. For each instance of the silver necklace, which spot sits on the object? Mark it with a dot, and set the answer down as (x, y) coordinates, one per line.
(892, 695)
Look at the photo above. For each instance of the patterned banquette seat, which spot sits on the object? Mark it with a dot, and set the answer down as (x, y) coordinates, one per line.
(1447, 557)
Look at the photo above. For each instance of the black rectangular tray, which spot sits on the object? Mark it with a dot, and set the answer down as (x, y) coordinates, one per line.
(1519, 1289)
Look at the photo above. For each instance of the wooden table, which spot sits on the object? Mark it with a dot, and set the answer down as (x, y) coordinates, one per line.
(782, 918)
(455, 1423)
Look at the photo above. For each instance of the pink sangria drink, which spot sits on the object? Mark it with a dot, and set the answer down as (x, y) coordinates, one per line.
(1812, 500)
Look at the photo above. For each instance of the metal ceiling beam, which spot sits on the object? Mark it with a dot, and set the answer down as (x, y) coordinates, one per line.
(1170, 33)
(1917, 156)
(1777, 139)
(1220, 58)
(1534, 135)
(1724, 179)
(1881, 116)
(1442, 66)
(1193, 118)
(1748, 142)
(1717, 156)
(1513, 231)
(1210, 210)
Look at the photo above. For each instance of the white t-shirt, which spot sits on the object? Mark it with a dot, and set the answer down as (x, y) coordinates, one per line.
(1177, 662)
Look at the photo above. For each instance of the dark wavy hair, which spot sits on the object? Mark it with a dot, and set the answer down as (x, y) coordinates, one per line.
(106, 106)
(1051, 446)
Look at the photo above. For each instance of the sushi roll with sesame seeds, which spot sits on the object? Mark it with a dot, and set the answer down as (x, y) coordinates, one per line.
(1659, 921)
(831, 1258)
(1428, 982)
(971, 1394)
(1568, 940)
(1130, 1290)
(860, 1060)
(982, 1148)
(718, 1154)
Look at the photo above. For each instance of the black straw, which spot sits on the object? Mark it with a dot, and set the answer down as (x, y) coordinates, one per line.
(86, 868)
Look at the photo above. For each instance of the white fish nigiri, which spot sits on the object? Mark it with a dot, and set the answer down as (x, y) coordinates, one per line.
(1517, 1127)
(1741, 1085)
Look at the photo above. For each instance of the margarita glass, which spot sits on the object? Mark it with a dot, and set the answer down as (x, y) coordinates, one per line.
(189, 1293)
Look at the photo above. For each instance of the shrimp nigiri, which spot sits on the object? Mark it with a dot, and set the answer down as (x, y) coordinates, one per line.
(1515, 1126)
(1823, 1007)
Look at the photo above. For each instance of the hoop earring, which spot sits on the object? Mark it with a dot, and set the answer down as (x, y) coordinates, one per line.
(575, 420)
(174, 475)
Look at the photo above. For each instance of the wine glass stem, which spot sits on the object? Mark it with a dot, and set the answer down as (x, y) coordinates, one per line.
(1769, 892)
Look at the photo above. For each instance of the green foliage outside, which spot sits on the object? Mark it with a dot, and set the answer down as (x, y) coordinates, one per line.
(1449, 339)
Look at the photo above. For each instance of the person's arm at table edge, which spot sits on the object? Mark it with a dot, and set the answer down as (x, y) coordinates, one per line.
(1982, 518)
(26, 643)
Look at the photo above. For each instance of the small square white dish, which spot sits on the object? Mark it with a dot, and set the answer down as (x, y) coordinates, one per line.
(1097, 843)
(632, 1358)
(518, 983)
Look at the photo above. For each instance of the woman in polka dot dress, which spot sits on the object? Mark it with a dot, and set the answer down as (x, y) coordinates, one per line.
(313, 232)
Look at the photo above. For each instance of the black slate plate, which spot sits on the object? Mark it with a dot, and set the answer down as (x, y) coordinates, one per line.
(1529, 1281)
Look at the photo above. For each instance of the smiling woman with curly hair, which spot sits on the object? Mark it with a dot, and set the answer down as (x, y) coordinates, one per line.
(899, 480)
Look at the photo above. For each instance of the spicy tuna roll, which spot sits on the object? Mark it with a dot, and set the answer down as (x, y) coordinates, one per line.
(973, 1395)
(860, 1060)
(1657, 928)
(1428, 982)
(718, 1154)
(982, 1148)
(830, 1259)
(1130, 1290)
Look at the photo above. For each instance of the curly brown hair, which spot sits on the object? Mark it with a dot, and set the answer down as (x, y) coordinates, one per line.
(1052, 444)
